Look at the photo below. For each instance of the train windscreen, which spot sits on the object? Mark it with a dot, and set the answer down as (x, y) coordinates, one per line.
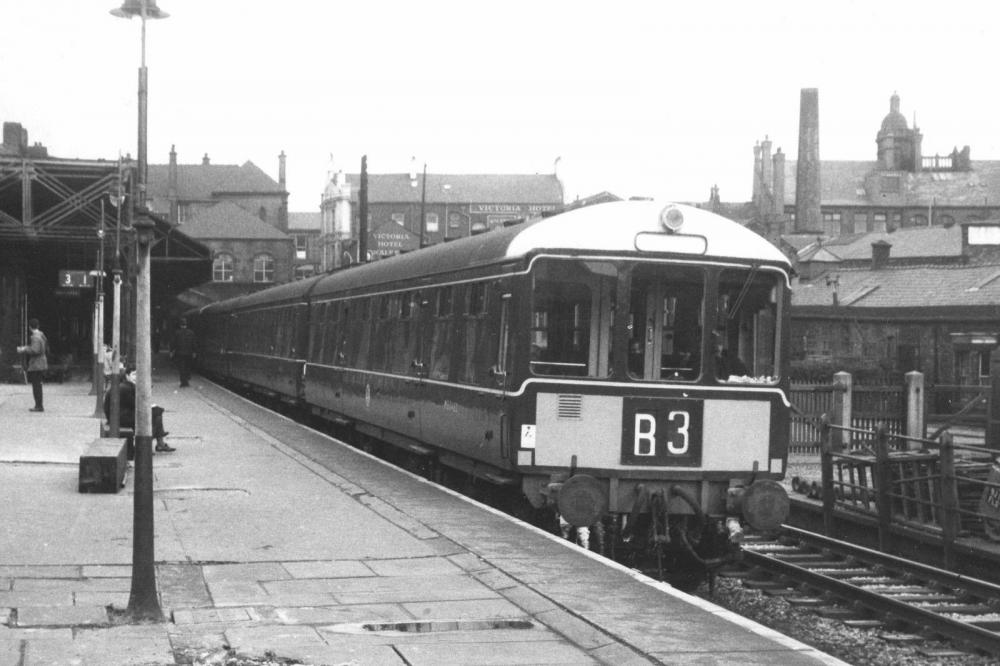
(573, 321)
(572, 317)
(745, 338)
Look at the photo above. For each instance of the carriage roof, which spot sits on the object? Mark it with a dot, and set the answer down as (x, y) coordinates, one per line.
(610, 228)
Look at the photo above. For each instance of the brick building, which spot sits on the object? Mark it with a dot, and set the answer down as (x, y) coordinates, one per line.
(407, 209)
(236, 210)
(924, 299)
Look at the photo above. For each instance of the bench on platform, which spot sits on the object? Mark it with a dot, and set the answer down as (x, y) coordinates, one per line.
(127, 433)
(103, 465)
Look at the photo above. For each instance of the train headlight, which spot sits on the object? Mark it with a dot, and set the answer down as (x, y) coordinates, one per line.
(671, 219)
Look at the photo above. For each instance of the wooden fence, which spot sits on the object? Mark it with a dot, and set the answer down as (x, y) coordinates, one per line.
(872, 404)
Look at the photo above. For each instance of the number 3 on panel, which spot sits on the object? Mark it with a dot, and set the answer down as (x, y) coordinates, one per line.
(682, 431)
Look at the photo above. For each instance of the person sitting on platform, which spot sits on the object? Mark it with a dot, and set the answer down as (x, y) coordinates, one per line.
(126, 410)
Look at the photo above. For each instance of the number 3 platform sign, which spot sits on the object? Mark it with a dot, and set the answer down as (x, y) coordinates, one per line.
(75, 279)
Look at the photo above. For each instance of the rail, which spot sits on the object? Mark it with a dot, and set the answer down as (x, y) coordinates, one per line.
(932, 484)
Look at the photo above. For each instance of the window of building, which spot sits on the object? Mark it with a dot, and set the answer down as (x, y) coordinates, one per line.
(431, 224)
(304, 271)
(860, 223)
(918, 221)
(301, 245)
(222, 268)
(262, 214)
(399, 218)
(946, 220)
(263, 268)
(878, 222)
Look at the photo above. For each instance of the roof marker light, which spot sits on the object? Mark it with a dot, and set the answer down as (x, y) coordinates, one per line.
(671, 218)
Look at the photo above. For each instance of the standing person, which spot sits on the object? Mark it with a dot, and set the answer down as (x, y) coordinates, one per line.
(183, 351)
(37, 350)
(126, 410)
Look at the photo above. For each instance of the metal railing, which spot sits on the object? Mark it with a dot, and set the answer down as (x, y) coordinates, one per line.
(931, 484)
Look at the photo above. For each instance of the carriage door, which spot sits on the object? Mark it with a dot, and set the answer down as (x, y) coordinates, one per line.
(658, 343)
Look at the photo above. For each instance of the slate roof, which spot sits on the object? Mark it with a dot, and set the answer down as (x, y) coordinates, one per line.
(843, 183)
(198, 182)
(908, 243)
(905, 287)
(226, 220)
(304, 221)
(464, 188)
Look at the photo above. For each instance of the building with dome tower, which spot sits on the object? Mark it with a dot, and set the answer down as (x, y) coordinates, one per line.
(900, 188)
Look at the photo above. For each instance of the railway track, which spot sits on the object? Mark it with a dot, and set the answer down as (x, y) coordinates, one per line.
(869, 589)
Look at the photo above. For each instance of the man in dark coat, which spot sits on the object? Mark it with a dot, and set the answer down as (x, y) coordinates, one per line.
(183, 351)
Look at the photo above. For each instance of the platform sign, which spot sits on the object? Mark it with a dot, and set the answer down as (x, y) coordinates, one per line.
(75, 279)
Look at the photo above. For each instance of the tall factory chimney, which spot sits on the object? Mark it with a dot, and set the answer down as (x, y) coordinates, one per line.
(779, 183)
(807, 181)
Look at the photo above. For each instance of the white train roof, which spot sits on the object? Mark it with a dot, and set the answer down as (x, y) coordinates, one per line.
(617, 226)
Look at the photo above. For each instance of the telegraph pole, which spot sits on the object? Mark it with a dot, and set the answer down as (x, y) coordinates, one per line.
(423, 210)
(363, 213)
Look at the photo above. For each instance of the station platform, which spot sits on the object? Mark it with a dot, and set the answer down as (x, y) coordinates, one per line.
(275, 540)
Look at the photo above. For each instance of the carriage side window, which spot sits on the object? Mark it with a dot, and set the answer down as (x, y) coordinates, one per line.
(316, 333)
(479, 335)
(362, 333)
(476, 299)
(441, 335)
(283, 342)
(327, 327)
(745, 338)
(387, 307)
(665, 323)
(403, 332)
(346, 311)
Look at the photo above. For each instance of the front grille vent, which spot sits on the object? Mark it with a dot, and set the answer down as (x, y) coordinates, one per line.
(570, 407)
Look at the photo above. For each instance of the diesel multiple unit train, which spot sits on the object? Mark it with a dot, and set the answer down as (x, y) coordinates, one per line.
(623, 363)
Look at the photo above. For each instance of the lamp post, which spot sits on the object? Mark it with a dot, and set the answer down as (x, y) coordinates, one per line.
(143, 603)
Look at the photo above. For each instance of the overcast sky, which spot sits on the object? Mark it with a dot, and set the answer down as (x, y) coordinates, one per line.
(657, 98)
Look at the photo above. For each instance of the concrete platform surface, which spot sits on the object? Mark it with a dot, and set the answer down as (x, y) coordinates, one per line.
(272, 539)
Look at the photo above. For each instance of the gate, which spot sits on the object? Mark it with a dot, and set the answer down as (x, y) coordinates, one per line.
(809, 403)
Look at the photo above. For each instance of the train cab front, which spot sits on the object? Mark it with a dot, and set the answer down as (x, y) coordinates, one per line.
(656, 401)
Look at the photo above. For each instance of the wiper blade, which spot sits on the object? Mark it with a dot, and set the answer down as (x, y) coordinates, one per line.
(743, 292)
